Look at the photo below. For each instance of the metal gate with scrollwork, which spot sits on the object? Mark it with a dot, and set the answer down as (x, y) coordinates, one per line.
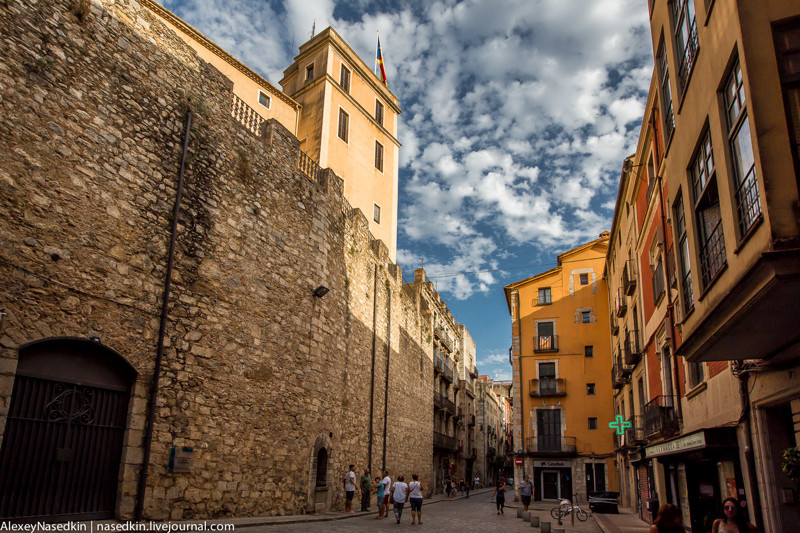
(62, 444)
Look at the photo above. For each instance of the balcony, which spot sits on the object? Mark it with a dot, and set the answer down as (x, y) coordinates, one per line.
(635, 434)
(545, 343)
(448, 405)
(748, 205)
(438, 361)
(438, 400)
(629, 277)
(444, 337)
(633, 353)
(473, 372)
(620, 373)
(621, 303)
(447, 370)
(617, 442)
(658, 282)
(547, 387)
(542, 301)
(712, 255)
(552, 445)
(444, 442)
(614, 326)
(659, 417)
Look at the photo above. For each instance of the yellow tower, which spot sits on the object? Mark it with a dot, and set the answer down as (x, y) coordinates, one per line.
(562, 376)
(348, 123)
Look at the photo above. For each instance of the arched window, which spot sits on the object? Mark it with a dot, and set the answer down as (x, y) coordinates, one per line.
(322, 467)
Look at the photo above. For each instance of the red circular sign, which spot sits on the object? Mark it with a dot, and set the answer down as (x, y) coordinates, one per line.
(518, 461)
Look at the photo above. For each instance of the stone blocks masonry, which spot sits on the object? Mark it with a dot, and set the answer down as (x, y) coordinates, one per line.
(258, 374)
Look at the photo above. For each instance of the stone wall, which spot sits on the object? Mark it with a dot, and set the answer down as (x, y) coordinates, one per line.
(257, 372)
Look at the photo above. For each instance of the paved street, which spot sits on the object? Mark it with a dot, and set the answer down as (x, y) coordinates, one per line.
(476, 514)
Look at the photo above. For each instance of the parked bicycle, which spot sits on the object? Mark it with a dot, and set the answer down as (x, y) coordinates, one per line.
(565, 508)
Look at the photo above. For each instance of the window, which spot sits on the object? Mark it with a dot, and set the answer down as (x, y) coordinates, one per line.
(310, 72)
(376, 213)
(684, 265)
(344, 125)
(708, 218)
(590, 389)
(379, 156)
(666, 95)
(264, 99)
(685, 32)
(588, 351)
(748, 205)
(344, 79)
(651, 176)
(586, 317)
(546, 339)
(694, 374)
(787, 49)
(379, 112)
(544, 297)
(592, 423)
(584, 279)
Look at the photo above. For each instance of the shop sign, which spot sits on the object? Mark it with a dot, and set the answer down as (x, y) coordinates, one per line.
(683, 444)
(552, 464)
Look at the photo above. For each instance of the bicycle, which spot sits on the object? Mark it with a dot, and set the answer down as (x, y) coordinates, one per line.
(565, 508)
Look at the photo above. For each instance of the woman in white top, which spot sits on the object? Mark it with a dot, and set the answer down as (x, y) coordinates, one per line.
(399, 493)
(732, 520)
(415, 499)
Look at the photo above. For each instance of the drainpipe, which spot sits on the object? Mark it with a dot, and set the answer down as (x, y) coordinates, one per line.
(744, 395)
(372, 373)
(148, 436)
(670, 308)
(386, 389)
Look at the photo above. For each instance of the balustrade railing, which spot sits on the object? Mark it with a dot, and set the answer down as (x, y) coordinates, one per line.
(309, 167)
(748, 205)
(246, 115)
(712, 255)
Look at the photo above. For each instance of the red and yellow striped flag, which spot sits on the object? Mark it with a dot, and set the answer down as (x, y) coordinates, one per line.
(380, 62)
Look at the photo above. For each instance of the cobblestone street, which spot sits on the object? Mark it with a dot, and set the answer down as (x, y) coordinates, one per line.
(476, 514)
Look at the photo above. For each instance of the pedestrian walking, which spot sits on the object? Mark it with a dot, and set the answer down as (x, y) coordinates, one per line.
(399, 495)
(349, 489)
(668, 520)
(732, 520)
(466, 489)
(462, 486)
(387, 482)
(477, 482)
(448, 486)
(415, 499)
(499, 496)
(379, 489)
(525, 491)
(366, 490)
(453, 486)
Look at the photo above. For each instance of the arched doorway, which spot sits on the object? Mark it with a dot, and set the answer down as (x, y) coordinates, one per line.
(320, 491)
(62, 445)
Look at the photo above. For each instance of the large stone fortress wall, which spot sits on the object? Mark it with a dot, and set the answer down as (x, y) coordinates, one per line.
(258, 374)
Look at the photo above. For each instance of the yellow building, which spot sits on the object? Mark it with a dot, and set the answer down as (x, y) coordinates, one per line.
(349, 124)
(344, 117)
(562, 386)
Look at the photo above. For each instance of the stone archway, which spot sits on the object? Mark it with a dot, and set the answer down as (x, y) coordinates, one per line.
(320, 482)
(62, 447)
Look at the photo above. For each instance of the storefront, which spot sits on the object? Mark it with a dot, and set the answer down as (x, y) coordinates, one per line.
(553, 480)
(699, 471)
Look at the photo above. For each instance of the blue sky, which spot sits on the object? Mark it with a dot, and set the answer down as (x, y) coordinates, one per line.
(517, 115)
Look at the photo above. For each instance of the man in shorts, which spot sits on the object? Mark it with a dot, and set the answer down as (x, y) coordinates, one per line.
(526, 491)
(349, 489)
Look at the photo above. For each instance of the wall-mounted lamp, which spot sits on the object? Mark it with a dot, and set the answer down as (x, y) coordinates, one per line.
(321, 291)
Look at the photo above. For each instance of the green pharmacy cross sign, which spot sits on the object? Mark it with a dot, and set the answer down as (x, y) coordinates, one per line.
(619, 425)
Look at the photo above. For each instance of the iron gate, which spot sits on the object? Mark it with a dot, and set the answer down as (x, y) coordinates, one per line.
(62, 446)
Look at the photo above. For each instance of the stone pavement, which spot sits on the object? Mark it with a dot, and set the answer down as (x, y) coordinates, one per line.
(625, 522)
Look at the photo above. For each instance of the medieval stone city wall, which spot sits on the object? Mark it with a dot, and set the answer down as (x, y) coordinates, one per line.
(258, 373)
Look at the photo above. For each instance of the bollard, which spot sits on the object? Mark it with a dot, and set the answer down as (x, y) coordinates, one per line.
(534, 521)
(526, 517)
(519, 513)
(546, 527)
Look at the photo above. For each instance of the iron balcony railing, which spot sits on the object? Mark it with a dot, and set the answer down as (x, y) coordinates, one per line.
(633, 353)
(659, 417)
(658, 281)
(438, 400)
(712, 255)
(444, 337)
(445, 442)
(620, 373)
(438, 360)
(629, 276)
(546, 343)
(551, 445)
(688, 295)
(635, 434)
(748, 204)
(542, 301)
(448, 405)
(617, 441)
(546, 387)
(447, 370)
(689, 55)
(621, 303)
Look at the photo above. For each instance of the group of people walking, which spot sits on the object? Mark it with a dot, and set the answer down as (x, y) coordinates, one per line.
(396, 494)
(451, 487)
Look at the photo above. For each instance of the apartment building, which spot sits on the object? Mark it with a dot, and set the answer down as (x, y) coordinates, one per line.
(561, 384)
(716, 385)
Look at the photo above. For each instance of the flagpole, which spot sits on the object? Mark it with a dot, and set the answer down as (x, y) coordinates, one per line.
(375, 66)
